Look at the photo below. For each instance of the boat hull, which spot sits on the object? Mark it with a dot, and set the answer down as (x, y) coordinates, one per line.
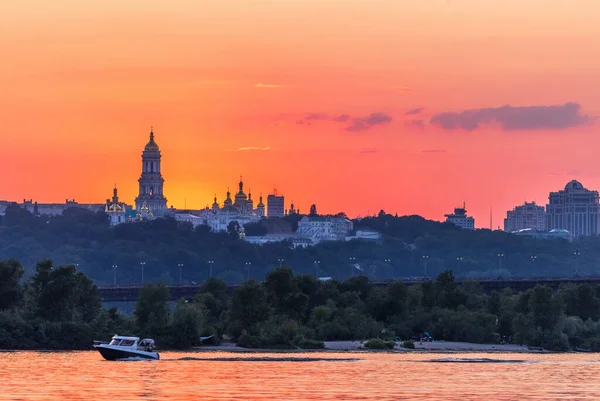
(113, 353)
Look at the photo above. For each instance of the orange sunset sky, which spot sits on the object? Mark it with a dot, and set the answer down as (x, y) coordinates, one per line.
(353, 105)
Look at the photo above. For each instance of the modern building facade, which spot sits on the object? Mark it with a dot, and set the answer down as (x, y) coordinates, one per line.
(275, 205)
(575, 209)
(151, 181)
(460, 218)
(319, 228)
(526, 216)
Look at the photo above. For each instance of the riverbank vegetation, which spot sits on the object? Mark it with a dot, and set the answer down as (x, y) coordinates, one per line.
(59, 308)
(164, 250)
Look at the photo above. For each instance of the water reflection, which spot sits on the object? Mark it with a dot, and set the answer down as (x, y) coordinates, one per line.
(475, 360)
(320, 376)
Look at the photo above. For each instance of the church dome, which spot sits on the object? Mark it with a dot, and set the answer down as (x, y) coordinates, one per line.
(574, 184)
(151, 146)
(241, 195)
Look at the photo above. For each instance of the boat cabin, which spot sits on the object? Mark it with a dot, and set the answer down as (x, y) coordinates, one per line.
(146, 344)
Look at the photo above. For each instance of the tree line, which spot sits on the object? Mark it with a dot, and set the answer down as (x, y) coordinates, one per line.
(60, 308)
(164, 250)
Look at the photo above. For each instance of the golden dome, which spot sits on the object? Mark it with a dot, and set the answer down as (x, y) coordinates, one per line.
(151, 146)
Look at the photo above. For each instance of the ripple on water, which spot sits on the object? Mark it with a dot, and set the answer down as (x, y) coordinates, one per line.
(475, 360)
(267, 359)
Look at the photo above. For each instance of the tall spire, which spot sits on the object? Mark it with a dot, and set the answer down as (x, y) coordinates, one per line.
(151, 146)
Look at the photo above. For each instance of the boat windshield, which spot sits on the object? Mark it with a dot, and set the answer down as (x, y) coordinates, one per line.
(122, 343)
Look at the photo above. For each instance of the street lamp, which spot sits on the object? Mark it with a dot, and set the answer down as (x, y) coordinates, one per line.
(114, 267)
(280, 260)
(352, 259)
(533, 258)
(500, 256)
(425, 257)
(180, 265)
(317, 263)
(210, 266)
(248, 264)
(142, 264)
(576, 254)
(389, 262)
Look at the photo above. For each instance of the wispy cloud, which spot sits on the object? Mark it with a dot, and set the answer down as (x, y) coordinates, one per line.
(342, 118)
(317, 116)
(248, 148)
(415, 123)
(262, 85)
(367, 151)
(364, 123)
(412, 112)
(510, 118)
(356, 123)
(434, 151)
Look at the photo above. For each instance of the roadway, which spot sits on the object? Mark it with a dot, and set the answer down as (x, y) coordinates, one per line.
(130, 293)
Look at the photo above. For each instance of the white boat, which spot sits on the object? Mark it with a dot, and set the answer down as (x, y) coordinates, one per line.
(122, 347)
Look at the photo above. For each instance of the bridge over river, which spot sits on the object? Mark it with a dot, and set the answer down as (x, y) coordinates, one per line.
(130, 293)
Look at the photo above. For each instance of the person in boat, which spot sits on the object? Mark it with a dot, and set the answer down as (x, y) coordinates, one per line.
(147, 345)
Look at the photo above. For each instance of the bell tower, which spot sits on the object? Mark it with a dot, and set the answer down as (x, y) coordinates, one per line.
(151, 181)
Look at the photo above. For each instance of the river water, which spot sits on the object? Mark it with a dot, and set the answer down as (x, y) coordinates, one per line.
(336, 376)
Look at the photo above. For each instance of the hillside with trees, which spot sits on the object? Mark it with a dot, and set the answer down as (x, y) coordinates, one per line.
(410, 247)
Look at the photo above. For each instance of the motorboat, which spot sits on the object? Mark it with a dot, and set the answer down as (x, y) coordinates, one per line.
(122, 347)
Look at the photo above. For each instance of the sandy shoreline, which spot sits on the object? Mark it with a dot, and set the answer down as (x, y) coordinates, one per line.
(341, 346)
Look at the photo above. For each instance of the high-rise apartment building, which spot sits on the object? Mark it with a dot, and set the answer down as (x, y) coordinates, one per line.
(275, 205)
(575, 209)
(526, 216)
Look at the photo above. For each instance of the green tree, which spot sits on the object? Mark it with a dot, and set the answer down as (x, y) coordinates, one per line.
(279, 283)
(523, 329)
(186, 326)
(580, 300)
(546, 309)
(213, 296)
(494, 303)
(11, 292)
(249, 307)
(152, 311)
(63, 294)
